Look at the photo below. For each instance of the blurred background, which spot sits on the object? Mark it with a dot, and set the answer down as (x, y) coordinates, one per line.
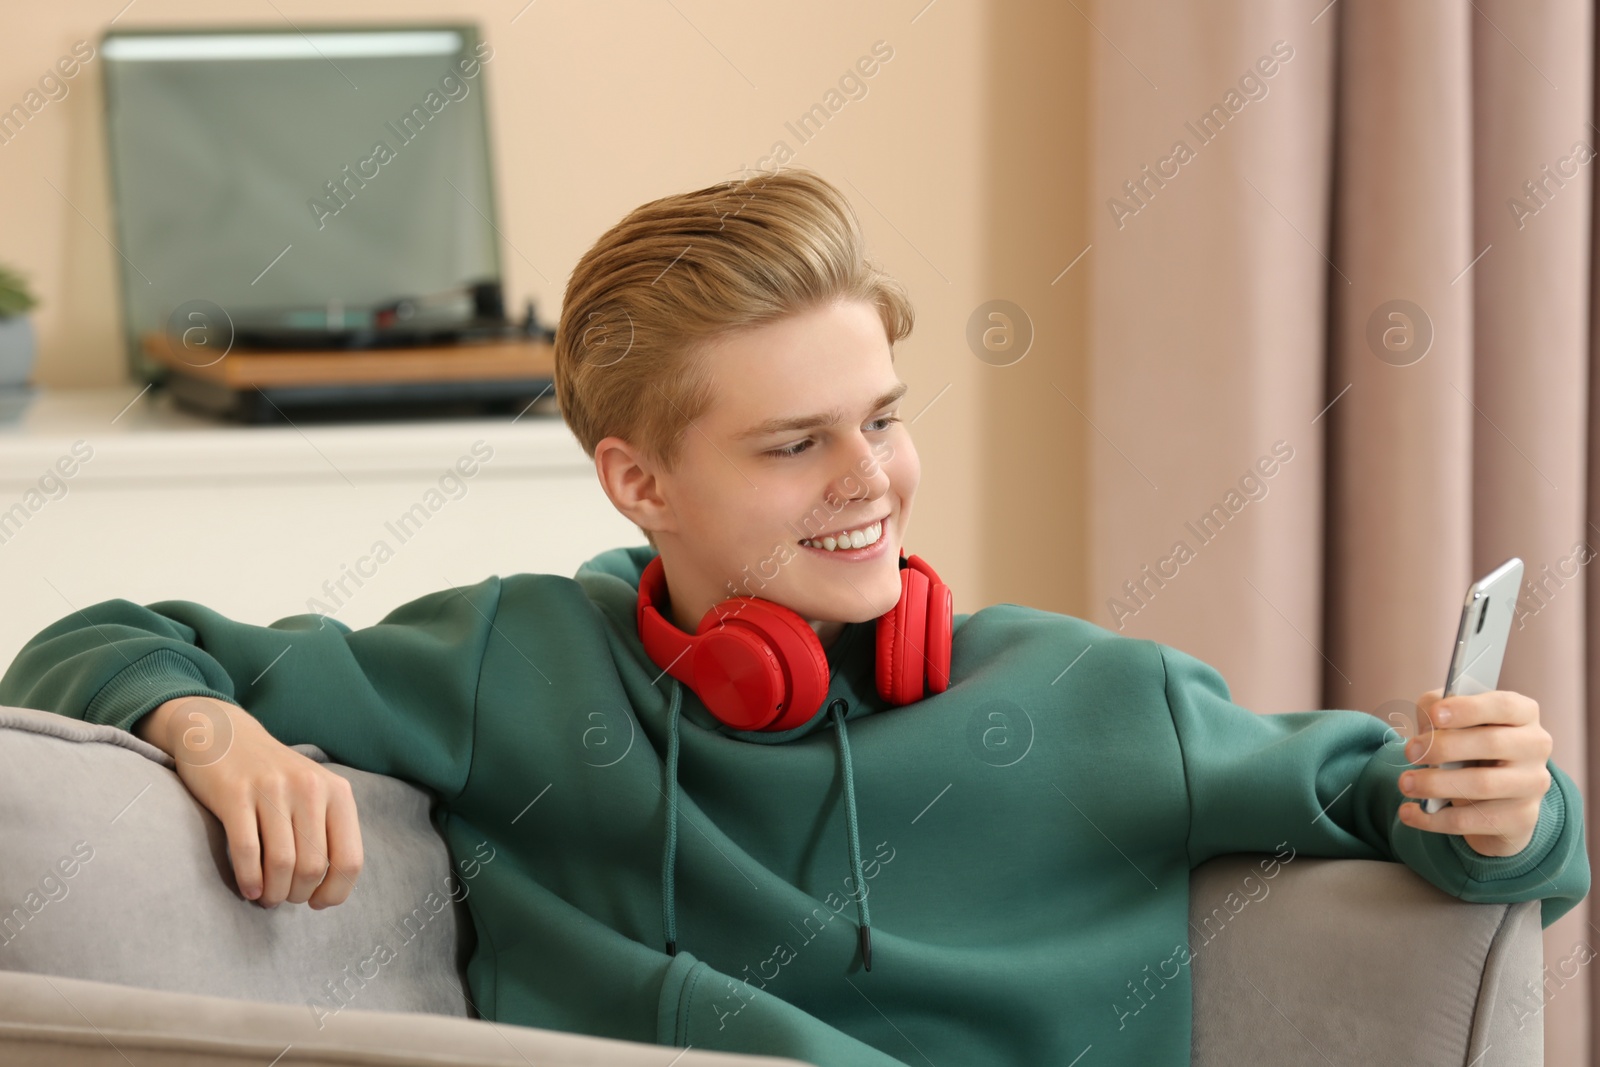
(1259, 329)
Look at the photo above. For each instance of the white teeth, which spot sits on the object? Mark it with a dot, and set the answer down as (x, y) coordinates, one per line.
(852, 539)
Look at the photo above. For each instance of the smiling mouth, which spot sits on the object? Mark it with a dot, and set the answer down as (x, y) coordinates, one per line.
(860, 537)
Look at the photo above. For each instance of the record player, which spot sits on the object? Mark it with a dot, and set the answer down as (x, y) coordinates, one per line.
(256, 288)
(401, 359)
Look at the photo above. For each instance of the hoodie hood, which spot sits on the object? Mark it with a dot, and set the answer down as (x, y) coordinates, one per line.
(611, 580)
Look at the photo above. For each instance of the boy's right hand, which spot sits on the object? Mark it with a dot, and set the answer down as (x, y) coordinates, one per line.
(291, 823)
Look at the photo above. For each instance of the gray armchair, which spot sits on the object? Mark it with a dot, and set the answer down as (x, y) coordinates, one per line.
(143, 953)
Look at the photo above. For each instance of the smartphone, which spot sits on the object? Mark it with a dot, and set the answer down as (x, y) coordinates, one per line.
(1480, 644)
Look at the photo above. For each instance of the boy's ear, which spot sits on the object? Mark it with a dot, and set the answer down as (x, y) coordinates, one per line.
(629, 480)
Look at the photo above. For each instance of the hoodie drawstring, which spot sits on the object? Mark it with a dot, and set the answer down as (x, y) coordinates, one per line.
(669, 859)
(862, 921)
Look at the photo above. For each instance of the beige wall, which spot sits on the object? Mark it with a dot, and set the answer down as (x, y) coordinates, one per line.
(965, 160)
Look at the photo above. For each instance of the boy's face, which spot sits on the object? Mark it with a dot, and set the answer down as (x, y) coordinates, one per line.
(735, 511)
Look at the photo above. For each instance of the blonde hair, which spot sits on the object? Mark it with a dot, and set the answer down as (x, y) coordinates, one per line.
(683, 271)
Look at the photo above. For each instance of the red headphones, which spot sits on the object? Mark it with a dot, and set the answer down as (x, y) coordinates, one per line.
(757, 665)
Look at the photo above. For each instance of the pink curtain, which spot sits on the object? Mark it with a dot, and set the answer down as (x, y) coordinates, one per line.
(1340, 351)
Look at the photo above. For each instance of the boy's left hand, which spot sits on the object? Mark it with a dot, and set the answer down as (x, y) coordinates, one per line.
(1494, 800)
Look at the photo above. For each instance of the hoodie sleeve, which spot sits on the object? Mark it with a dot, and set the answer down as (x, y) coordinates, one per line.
(395, 698)
(1327, 782)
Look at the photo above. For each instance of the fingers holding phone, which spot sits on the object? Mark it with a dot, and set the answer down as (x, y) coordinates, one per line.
(1479, 649)
(1491, 775)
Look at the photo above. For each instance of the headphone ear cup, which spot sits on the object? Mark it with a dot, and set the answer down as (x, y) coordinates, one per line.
(739, 679)
(901, 634)
(941, 631)
(763, 665)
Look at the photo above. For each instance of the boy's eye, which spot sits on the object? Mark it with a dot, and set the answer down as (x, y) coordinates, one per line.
(801, 446)
(792, 450)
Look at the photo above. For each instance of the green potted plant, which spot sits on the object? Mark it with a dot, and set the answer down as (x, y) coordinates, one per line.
(16, 332)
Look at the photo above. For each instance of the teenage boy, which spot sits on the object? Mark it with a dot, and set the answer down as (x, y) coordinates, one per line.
(1021, 793)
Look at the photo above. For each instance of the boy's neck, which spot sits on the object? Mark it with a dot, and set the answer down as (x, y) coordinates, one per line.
(828, 632)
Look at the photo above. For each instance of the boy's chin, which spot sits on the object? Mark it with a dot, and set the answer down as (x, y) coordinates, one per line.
(862, 603)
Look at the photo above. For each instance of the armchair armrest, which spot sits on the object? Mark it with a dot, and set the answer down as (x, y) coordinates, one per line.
(113, 872)
(1358, 961)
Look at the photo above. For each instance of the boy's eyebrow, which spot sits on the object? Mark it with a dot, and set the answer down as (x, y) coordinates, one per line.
(811, 422)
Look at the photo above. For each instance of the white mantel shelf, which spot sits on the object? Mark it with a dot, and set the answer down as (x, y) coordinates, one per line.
(147, 435)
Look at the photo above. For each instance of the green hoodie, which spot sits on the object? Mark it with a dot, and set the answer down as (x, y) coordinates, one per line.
(1024, 839)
